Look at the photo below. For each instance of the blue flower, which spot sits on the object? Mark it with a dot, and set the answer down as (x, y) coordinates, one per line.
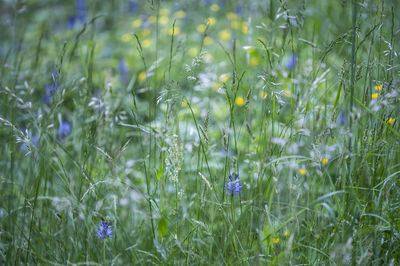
(341, 120)
(51, 88)
(133, 6)
(64, 129)
(291, 63)
(233, 186)
(104, 230)
(81, 11)
(239, 9)
(123, 69)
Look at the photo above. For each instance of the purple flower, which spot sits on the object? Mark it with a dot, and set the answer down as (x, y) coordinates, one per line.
(239, 8)
(64, 129)
(50, 89)
(104, 230)
(233, 186)
(123, 69)
(341, 120)
(133, 6)
(291, 63)
(81, 11)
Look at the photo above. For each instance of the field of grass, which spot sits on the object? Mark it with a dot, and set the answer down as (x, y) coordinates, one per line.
(207, 132)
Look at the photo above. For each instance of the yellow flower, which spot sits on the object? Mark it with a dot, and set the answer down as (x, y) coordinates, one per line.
(126, 37)
(231, 15)
(142, 76)
(146, 32)
(163, 20)
(235, 25)
(211, 21)
(184, 102)
(374, 95)
(201, 28)
(324, 161)
(180, 14)
(302, 171)
(214, 7)
(275, 240)
(225, 35)
(208, 58)
(174, 31)
(286, 233)
(245, 28)
(239, 101)
(193, 51)
(391, 120)
(254, 61)
(263, 95)
(224, 77)
(152, 19)
(216, 86)
(137, 23)
(146, 43)
(208, 40)
(378, 87)
(164, 11)
(287, 93)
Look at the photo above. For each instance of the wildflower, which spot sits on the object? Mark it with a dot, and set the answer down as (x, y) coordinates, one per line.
(163, 20)
(324, 161)
(180, 14)
(235, 25)
(302, 171)
(201, 28)
(211, 21)
(287, 93)
(231, 15)
(275, 240)
(81, 11)
(291, 63)
(391, 120)
(208, 58)
(104, 230)
(123, 70)
(214, 7)
(233, 186)
(224, 77)
(239, 9)
(263, 95)
(193, 51)
(64, 129)
(174, 31)
(254, 61)
(137, 23)
(152, 19)
(225, 35)
(142, 76)
(374, 95)
(378, 87)
(145, 33)
(286, 233)
(341, 120)
(126, 37)
(146, 43)
(207, 40)
(133, 6)
(245, 28)
(239, 101)
(51, 88)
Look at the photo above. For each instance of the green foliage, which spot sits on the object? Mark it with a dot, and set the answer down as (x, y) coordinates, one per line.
(107, 117)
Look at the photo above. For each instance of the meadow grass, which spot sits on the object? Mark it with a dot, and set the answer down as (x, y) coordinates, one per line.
(199, 132)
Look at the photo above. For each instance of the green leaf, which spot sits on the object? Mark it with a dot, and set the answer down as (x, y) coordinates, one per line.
(337, 96)
(162, 227)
